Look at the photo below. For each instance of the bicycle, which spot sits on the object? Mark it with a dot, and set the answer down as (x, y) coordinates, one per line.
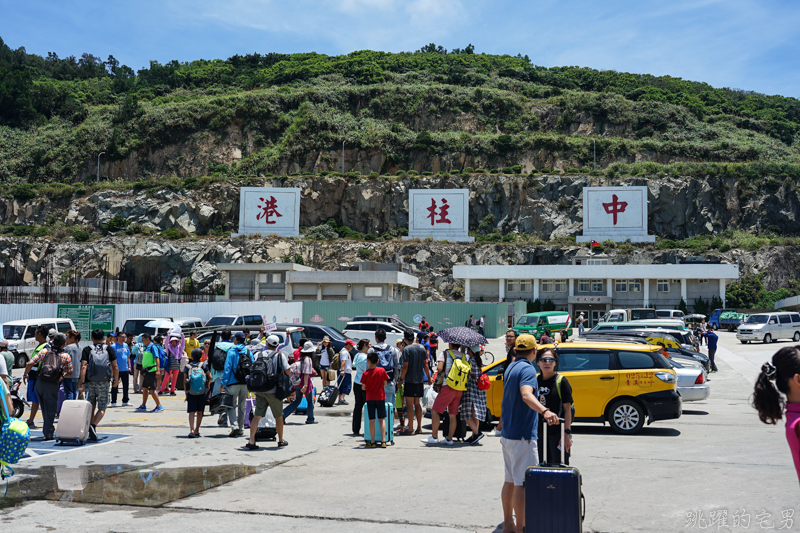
(487, 358)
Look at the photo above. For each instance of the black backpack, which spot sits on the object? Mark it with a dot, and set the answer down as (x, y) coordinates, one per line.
(243, 368)
(262, 377)
(50, 369)
(283, 386)
(218, 359)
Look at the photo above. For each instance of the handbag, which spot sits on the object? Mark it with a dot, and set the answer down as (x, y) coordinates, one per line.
(484, 383)
(220, 403)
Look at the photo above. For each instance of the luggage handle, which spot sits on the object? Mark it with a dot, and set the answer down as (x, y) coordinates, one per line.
(544, 443)
(583, 507)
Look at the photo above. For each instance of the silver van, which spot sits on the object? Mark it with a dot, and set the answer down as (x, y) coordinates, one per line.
(769, 327)
(676, 314)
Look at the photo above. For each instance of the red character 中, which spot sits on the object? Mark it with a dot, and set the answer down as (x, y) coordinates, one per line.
(615, 207)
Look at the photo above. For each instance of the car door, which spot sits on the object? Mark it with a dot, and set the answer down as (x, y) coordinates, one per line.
(786, 326)
(795, 326)
(314, 334)
(494, 396)
(593, 381)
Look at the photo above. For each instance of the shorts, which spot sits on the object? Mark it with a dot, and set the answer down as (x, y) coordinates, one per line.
(266, 399)
(149, 381)
(518, 456)
(195, 403)
(324, 368)
(345, 384)
(30, 394)
(97, 393)
(447, 399)
(376, 409)
(413, 390)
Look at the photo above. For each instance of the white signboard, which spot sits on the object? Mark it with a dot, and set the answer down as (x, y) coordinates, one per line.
(442, 214)
(269, 211)
(616, 213)
(270, 327)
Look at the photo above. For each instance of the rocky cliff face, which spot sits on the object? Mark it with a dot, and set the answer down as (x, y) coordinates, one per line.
(544, 206)
(143, 261)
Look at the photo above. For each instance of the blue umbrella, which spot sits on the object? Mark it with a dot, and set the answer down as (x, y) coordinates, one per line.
(463, 336)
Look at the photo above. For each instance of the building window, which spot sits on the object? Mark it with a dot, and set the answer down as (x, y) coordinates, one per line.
(560, 285)
(621, 285)
(276, 278)
(512, 285)
(663, 285)
(634, 285)
(597, 261)
(703, 281)
(373, 292)
(525, 285)
(583, 285)
(597, 285)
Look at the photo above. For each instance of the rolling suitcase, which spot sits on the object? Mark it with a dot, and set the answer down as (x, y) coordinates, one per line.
(374, 426)
(73, 424)
(267, 428)
(554, 500)
(329, 395)
(461, 427)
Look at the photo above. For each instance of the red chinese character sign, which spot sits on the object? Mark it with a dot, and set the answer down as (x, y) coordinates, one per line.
(268, 210)
(442, 214)
(615, 213)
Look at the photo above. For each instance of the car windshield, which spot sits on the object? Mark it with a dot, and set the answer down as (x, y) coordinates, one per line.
(221, 321)
(528, 320)
(13, 332)
(333, 334)
(758, 319)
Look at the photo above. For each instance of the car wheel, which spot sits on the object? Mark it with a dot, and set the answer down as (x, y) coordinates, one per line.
(767, 338)
(796, 337)
(22, 359)
(743, 342)
(626, 417)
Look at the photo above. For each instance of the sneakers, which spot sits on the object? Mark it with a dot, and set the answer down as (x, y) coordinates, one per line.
(282, 444)
(311, 421)
(158, 409)
(473, 439)
(126, 404)
(141, 409)
(31, 424)
(114, 404)
(92, 433)
(172, 393)
(496, 433)
(235, 432)
(430, 440)
(342, 402)
(251, 446)
(446, 442)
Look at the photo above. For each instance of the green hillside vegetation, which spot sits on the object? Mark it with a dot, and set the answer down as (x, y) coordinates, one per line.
(56, 114)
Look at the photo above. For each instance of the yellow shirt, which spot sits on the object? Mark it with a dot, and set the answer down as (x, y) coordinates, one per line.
(191, 344)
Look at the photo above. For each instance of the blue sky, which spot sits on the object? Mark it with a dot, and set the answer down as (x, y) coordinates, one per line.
(745, 44)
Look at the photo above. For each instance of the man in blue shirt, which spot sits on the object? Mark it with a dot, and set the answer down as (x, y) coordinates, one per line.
(711, 341)
(123, 363)
(520, 409)
(235, 387)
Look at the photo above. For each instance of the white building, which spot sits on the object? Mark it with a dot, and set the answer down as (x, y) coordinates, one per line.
(593, 285)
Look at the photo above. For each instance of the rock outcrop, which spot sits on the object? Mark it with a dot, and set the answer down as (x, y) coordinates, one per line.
(544, 206)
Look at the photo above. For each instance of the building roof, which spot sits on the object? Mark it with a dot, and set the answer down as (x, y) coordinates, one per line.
(668, 271)
(263, 267)
(352, 276)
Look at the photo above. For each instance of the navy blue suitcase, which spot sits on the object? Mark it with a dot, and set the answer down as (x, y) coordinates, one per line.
(554, 501)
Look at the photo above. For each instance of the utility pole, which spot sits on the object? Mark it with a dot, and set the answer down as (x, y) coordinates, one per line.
(594, 142)
(342, 157)
(98, 166)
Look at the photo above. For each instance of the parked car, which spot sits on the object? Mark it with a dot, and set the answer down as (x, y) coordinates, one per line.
(628, 315)
(672, 346)
(535, 323)
(385, 318)
(769, 327)
(692, 385)
(367, 329)
(293, 332)
(676, 314)
(641, 324)
(315, 333)
(250, 321)
(20, 335)
(714, 320)
(137, 326)
(622, 384)
(189, 322)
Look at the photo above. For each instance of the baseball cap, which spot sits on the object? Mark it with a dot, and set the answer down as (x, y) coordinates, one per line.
(273, 340)
(350, 342)
(525, 342)
(239, 335)
(308, 347)
(51, 333)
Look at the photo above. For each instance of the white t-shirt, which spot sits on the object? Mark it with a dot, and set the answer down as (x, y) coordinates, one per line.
(324, 360)
(3, 367)
(345, 362)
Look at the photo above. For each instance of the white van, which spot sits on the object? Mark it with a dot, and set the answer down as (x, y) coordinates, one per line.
(255, 321)
(676, 314)
(20, 335)
(769, 327)
(137, 326)
(367, 329)
(189, 322)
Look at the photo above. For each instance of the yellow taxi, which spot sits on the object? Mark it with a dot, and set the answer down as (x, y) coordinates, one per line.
(618, 383)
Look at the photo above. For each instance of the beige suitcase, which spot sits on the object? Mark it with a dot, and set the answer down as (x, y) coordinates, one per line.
(73, 423)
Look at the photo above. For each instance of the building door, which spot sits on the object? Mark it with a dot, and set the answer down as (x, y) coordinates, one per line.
(596, 316)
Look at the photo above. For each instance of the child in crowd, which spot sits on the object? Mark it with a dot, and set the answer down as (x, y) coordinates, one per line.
(784, 370)
(196, 383)
(373, 380)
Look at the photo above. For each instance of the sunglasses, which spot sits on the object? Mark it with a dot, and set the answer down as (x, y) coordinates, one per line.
(547, 360)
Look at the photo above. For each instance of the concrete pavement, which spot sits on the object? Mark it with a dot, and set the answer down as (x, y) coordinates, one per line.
(716, 456)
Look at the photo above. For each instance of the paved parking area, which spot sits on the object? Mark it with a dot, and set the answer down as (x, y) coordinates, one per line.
(39, 447)
(674, 476)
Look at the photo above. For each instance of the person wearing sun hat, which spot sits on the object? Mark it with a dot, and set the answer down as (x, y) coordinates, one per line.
(306, 387)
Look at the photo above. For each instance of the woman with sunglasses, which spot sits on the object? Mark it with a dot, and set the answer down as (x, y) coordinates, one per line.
(555, 393)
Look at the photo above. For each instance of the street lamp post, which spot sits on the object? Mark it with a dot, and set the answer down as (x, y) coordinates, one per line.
(594, 143)
(98, 166)
(342, 157)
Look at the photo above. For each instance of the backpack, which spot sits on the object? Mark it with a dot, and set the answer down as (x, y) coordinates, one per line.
(243, 367)
(218, 359)
(386, 360)
(163, 356)
(99, 367)
(50, 369)
(459, 372)
(263, 374)
(336, 363)
(433, 339)
(283, 383)
(196, 380)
